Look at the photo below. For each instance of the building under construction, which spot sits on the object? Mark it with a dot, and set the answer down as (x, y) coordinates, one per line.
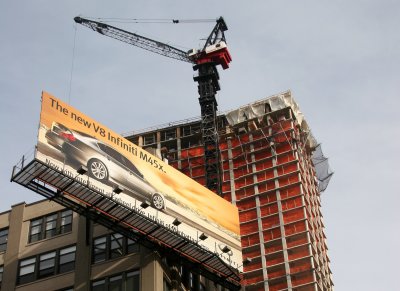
(273, 170)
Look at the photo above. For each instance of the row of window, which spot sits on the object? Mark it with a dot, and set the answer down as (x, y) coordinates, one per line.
(46, 264)
(63, 260)
(171, 134)
(112, 246)
(1, 274)
(3, 239)
(128, 281)
(50, 225)
(43, 227)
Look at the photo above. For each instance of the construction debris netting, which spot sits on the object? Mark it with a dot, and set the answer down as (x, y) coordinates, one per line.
(322, 169)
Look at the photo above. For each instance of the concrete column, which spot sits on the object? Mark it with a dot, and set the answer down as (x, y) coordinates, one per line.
(140, 141)
(179, 147)
(152, 274)
(258, 210)
(231, 174)
(280, 215)
(13, 244)
(82, 261)
(158, 140)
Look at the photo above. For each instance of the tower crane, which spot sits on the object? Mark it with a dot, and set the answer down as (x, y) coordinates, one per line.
(205, 62)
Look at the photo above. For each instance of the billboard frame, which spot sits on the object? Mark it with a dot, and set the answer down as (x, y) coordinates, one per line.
(71, 193)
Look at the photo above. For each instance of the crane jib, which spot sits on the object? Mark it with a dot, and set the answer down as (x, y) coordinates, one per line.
(135, 39)
(214, 52)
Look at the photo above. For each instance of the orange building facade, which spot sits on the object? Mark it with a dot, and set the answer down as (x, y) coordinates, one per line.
(268, 168)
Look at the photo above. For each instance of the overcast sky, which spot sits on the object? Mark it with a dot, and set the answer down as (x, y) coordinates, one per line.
(340, 59)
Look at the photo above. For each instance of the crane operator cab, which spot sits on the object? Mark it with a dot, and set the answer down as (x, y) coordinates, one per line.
(217, 53)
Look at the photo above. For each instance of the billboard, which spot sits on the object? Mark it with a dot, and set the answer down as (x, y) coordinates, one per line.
(68, 140)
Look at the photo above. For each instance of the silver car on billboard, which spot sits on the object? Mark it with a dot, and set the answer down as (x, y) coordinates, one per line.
(104, 163)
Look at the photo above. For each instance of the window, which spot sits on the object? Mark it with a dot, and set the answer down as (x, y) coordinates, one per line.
(191, 129)
(36, 230)
(168, 135)
(110, 151)
(200, 283)
(131, 167)
(131, 246)
(1, 274)
(3, 239)
(149, 139)
(119, 158)
(128, 281)
(112, 246)
(116, 283)
(116, 245)
(66, 221)
(50, 225)
(132, 280)
(100, 249)
(99, 285)
(47, 264)
(67, 259)
(191, 280)
(166, 285)
(26, 270)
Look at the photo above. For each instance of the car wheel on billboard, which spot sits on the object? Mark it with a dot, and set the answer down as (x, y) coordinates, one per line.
(158, 201)
(98, 170)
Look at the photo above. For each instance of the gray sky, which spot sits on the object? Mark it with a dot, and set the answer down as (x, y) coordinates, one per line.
(340, 59)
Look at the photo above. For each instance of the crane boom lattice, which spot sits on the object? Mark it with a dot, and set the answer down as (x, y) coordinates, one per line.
(214, 52)
(135, 39)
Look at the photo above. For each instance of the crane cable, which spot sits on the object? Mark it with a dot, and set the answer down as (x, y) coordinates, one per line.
(72, 65)
(151, 20)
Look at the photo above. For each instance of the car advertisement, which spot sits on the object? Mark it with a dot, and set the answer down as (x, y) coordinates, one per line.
(69, 140)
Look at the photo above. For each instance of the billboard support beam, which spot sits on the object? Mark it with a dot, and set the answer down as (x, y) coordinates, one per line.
(49, 182)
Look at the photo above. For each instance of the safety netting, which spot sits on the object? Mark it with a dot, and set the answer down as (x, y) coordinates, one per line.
(322, 168)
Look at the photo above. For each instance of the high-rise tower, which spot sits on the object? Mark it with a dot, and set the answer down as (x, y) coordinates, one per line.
(273, 169)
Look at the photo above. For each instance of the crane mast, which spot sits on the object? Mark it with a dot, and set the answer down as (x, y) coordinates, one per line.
(205, 62)
(208, 86)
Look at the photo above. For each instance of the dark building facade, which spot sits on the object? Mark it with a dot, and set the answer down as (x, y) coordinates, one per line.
(44, 246)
